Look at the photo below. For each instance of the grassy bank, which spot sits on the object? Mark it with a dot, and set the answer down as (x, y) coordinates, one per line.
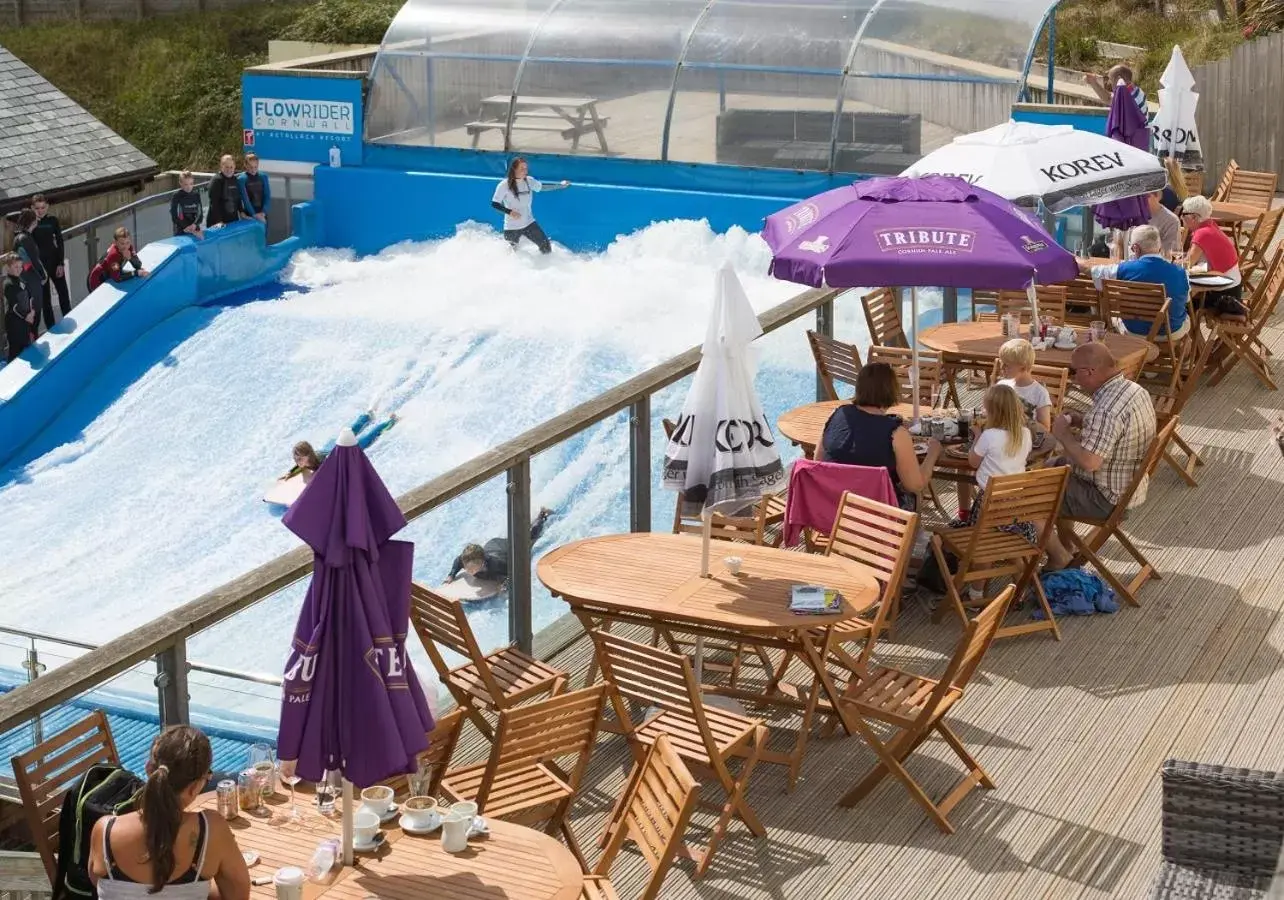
(172, 85)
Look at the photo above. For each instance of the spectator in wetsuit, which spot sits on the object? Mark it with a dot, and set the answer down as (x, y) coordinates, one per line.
(113, 263)
(19, 310)
(256, 193)
(185, 208)
(225, 195)
(48, 235)
(24, 244)
(490, 563)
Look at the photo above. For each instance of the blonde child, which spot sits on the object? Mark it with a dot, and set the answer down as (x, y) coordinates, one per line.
(1016, 359)
(1003, 447)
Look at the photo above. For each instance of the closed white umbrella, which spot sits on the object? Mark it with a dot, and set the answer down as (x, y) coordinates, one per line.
(722, 454)
(1057, 166)
(1173, 130)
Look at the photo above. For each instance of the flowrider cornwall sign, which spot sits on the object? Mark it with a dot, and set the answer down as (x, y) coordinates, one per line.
(300, 119)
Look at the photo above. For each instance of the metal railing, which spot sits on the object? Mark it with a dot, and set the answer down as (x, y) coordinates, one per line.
(164, 639)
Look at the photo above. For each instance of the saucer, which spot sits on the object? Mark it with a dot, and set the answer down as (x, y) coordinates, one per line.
(479, 827)
(374, 844)
(386, 817)
(1060, 346)
(405, 825)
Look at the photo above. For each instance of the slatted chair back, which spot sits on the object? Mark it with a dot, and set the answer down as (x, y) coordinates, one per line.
(883, 317)
(901, 360)
(1255, 251)
(881, 538)
(658, 802)
(1252, 188)
(984, 298)
(48, 770)
(1224, 183)
(1138, 300)
(441, 622)
(1055, 378)
(1051, 297)
(441, 746)
(541, 734)
(836, 361)
(722, 527)
(653, 677)
(1194, 181)
(1083, 302)
(1033, 496)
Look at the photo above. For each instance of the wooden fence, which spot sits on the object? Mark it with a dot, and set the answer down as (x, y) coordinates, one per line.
(1240, 114)
(30, 12)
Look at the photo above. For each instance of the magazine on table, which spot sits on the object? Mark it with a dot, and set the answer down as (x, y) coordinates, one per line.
(815, 600)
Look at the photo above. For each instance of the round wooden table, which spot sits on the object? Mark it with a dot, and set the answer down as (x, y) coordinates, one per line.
(982, 340)
(1235, 213)
(511, 862)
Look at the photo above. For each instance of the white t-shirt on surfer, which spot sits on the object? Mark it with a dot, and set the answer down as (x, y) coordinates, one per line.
(520, 202)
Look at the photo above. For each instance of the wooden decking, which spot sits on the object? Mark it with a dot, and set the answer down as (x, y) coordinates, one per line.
(1073, 732)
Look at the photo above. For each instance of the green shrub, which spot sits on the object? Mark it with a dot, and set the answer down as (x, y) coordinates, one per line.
(343, 22)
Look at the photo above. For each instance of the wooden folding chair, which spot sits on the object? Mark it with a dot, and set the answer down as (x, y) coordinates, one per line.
(990, 548)
(901, 361)
(441, 746)
(658, 802)
(1224, 183)
(1145, 302)
(917, 707)
(1101, 530)
(883, 316)
(1052, 304)
(1251, 188)
(522, 780)
(1055, 378)
(48, 770)
(664, 684)
(491, 682)
(1240, 341)
(983, 298)
(835, 362)
(1169, 406)
(1193, 179)
(1256, 251)
(1083, 302)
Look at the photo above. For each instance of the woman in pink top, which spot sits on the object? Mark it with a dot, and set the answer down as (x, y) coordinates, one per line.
(1208, 243)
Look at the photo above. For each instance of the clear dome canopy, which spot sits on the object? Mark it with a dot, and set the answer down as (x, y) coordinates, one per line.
(826, 85)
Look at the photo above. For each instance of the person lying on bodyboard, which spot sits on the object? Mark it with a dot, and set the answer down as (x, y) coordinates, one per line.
(480, 572)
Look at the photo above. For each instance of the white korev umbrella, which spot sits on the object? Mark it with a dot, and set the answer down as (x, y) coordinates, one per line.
(1173, 129)
(1057, 166)
(722, 454)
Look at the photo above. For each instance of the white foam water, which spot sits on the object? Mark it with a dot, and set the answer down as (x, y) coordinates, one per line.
(149, 493)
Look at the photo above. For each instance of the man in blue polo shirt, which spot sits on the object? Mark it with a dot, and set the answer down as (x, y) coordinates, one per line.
(1150, 265)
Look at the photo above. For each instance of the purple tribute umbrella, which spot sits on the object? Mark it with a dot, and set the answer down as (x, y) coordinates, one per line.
(351, 701)
(1127, 124)
(933, 231)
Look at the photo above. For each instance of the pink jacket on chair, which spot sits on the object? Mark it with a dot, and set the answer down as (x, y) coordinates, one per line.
(816, 489)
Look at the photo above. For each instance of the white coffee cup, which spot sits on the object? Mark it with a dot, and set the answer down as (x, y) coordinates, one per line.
(464, 808)
(365, 825)
(733, 564)
(454, 832)
(288, 882)
(421, 813)
(377, 799)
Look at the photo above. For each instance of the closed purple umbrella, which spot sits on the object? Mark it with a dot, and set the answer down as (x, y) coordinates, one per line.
(351, 700)
(1126, 124)
(934, 231)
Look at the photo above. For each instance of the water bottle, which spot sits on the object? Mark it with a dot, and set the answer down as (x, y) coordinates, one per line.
(327, 792)
(336, 157)
(323, 860)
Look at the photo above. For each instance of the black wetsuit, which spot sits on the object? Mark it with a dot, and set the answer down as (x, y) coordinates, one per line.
(225, 201)
(33, 271)
(255, 192)
(17, 305)
(185, 210)
(496, 550)
(48, 235)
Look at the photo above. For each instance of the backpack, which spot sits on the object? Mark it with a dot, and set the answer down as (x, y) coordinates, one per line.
(105, 790)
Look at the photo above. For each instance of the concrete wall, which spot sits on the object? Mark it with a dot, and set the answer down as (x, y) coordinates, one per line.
(184, 273)
(27, 12)
(289, 51)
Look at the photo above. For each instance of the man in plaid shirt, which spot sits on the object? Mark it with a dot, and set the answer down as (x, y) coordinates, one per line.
(1113, 439)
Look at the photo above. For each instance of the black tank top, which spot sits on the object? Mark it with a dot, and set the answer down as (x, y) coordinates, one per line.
(858, 438)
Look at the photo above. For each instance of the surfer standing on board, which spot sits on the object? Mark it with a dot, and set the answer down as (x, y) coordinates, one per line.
(513, 197)
(490, 563)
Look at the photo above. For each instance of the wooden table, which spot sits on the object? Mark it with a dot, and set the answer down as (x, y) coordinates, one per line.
(982, 340)
(513, 862)
(571, 117)
(1235, 213)
(654, 579)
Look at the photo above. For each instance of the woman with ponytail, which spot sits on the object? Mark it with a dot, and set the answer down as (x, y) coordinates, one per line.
(162, 848)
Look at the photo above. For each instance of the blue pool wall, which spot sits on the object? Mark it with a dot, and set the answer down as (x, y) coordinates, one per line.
(422, 193)
(184, 272)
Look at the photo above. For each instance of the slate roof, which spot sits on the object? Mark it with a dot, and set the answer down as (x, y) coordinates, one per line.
(48, 143)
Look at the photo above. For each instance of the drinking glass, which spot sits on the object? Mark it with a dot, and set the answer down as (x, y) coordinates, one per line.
(291, 777)
(327, 793)
(420, 780)
(263, 762)
(1098, 331)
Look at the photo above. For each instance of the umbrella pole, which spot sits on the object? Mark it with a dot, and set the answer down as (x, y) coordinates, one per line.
(347, 822)
(706, 538)
(914, 379)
